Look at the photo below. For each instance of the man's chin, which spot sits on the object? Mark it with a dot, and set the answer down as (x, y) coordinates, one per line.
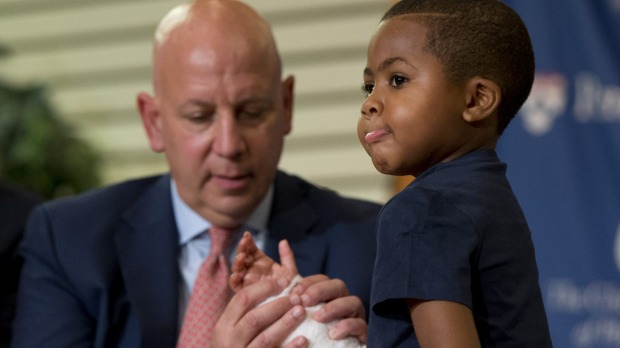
(237, 208)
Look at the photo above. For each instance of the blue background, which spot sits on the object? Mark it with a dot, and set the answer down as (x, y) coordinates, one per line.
(563, 155)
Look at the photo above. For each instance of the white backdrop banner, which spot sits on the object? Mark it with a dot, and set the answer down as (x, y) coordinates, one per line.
(563, 155)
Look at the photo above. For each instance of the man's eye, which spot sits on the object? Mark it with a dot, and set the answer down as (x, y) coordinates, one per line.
(398, 80)
(250, 114)
(199, 117)
(254, 111)
(367, 88)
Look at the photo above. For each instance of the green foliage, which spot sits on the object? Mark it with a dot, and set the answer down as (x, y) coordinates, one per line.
(38, 150)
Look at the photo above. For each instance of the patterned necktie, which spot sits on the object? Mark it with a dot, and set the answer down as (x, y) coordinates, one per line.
(210, 294)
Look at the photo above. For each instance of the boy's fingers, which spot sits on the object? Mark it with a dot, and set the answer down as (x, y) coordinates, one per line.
(238, 263)
(339, 308)
(242, 246)
(287, 258)
(350, 327)
(321, 291)
(237, 281)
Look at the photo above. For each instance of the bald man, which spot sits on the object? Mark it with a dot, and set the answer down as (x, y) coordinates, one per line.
(115, 267)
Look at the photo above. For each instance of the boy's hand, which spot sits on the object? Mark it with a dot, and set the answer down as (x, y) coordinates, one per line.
(348, 310)
(252, 264)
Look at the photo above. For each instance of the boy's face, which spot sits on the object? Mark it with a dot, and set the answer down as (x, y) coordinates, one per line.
(412, 117)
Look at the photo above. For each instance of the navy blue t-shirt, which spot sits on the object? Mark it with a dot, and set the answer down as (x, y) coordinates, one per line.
(457, 233)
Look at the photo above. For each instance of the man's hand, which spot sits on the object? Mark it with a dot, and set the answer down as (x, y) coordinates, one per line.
(347, 309)
(244, 325)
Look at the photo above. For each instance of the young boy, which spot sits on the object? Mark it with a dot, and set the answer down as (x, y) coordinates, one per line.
(251, 265)
(455, 264)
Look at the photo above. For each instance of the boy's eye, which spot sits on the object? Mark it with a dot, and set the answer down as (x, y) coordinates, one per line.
(367, 88)
(398, 80)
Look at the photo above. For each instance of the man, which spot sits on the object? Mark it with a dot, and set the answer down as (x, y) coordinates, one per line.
(114, 267)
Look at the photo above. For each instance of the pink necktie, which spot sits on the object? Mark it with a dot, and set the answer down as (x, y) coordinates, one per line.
(209, 295)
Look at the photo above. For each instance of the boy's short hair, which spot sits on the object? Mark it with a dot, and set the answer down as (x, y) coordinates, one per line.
(483, 38)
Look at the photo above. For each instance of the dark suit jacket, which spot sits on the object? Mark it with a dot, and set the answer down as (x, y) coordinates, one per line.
(102, 268)
(15, 205)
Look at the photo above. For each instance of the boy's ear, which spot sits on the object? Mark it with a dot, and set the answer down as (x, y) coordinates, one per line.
(483, 98)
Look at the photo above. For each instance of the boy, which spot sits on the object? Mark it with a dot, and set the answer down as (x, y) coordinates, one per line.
(455, 264)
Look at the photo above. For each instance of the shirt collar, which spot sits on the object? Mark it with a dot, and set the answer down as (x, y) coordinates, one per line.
(190, 224)
(260, 217)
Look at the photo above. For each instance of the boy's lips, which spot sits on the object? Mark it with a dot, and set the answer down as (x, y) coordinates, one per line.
(375, 135)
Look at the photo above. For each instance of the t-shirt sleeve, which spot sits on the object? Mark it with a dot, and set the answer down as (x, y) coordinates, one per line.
(426, 250)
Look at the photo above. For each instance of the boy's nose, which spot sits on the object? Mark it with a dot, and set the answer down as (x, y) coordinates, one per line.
(371, 106)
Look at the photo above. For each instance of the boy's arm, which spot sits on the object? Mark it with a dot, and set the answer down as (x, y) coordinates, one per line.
(443, 324)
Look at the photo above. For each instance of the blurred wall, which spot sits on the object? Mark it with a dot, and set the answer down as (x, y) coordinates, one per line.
(95, 56)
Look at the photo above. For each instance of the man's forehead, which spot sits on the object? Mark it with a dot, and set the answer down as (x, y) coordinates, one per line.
(226, 87)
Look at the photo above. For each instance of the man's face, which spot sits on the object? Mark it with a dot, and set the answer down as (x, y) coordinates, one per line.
(222, 118)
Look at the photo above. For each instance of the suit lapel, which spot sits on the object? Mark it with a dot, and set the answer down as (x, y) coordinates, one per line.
(294, 219)
(147, 244)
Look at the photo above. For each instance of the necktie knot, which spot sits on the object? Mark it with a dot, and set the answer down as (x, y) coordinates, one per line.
(220, 239)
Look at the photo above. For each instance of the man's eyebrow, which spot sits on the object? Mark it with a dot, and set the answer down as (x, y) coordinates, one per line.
(193, 102)
(386, 64)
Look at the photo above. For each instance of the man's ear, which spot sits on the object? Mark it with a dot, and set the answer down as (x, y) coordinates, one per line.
(288, 95)
(151, 120)
(483, 99)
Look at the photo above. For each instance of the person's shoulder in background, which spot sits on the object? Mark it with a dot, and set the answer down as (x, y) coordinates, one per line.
(15, 205)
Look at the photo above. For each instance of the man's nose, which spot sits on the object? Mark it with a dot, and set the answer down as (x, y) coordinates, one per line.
(228, 137)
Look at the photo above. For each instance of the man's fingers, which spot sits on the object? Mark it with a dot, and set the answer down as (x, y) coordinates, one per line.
(275, 334)
(244, 301)
(298, 342)
(254, 323)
